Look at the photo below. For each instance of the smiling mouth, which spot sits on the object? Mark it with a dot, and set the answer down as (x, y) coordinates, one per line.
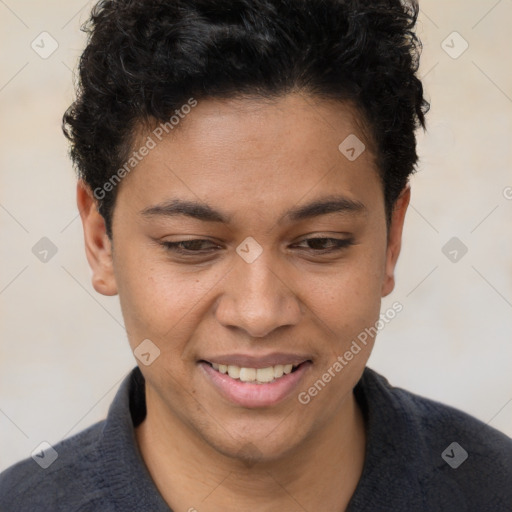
(255, 375)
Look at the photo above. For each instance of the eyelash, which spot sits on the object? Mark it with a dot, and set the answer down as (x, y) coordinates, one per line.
(340, 244)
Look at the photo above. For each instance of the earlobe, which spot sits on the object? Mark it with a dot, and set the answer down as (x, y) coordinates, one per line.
(98, 246)
(395, 239)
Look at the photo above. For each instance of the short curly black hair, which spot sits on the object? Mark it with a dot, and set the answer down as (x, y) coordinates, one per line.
(146, 58)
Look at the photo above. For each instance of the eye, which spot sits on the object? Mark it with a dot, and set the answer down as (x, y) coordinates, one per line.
(188, 246)
(334, 244)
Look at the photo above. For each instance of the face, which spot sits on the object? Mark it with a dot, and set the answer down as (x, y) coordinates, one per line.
(246, 238)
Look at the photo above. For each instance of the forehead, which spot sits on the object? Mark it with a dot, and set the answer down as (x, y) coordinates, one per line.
(264, 153)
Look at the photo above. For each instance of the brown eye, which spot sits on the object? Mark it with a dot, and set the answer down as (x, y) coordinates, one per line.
(188, 246)
(333, 244)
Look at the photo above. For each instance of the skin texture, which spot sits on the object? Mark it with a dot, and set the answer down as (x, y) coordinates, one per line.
(252, 160)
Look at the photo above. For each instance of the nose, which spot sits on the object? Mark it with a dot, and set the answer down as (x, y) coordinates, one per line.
(258, 298)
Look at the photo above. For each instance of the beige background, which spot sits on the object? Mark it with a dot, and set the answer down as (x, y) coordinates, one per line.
(63, 349)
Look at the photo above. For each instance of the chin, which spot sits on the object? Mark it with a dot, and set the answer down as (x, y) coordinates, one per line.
(252, 449)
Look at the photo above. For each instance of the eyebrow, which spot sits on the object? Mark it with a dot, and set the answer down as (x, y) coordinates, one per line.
(204, 212)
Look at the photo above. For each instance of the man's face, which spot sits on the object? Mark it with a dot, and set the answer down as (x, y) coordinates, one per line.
(253, 293)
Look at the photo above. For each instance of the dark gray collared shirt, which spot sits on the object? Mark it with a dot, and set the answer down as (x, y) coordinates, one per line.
(421, 456)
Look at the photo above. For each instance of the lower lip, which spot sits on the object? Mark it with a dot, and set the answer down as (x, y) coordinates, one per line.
(249, 394)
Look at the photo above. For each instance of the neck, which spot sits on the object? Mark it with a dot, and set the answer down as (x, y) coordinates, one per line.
(190, 474)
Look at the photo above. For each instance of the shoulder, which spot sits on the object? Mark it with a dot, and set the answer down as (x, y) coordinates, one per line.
(454, 456)
(58, 478)
(437, 421)
(434, 419)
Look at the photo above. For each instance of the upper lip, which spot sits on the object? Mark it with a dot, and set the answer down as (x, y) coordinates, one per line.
(247, 361)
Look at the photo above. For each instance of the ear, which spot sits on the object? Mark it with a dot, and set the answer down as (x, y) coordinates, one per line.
(395, 239)
(98, 247)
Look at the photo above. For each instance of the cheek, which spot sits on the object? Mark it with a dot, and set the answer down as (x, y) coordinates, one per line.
(160, 301)
(350, 295)
(348, 304)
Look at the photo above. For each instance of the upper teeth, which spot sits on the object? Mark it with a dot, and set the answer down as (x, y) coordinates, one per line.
(261, 375)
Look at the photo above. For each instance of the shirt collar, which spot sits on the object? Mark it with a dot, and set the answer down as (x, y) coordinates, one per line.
(397, 462)
(124, 471)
